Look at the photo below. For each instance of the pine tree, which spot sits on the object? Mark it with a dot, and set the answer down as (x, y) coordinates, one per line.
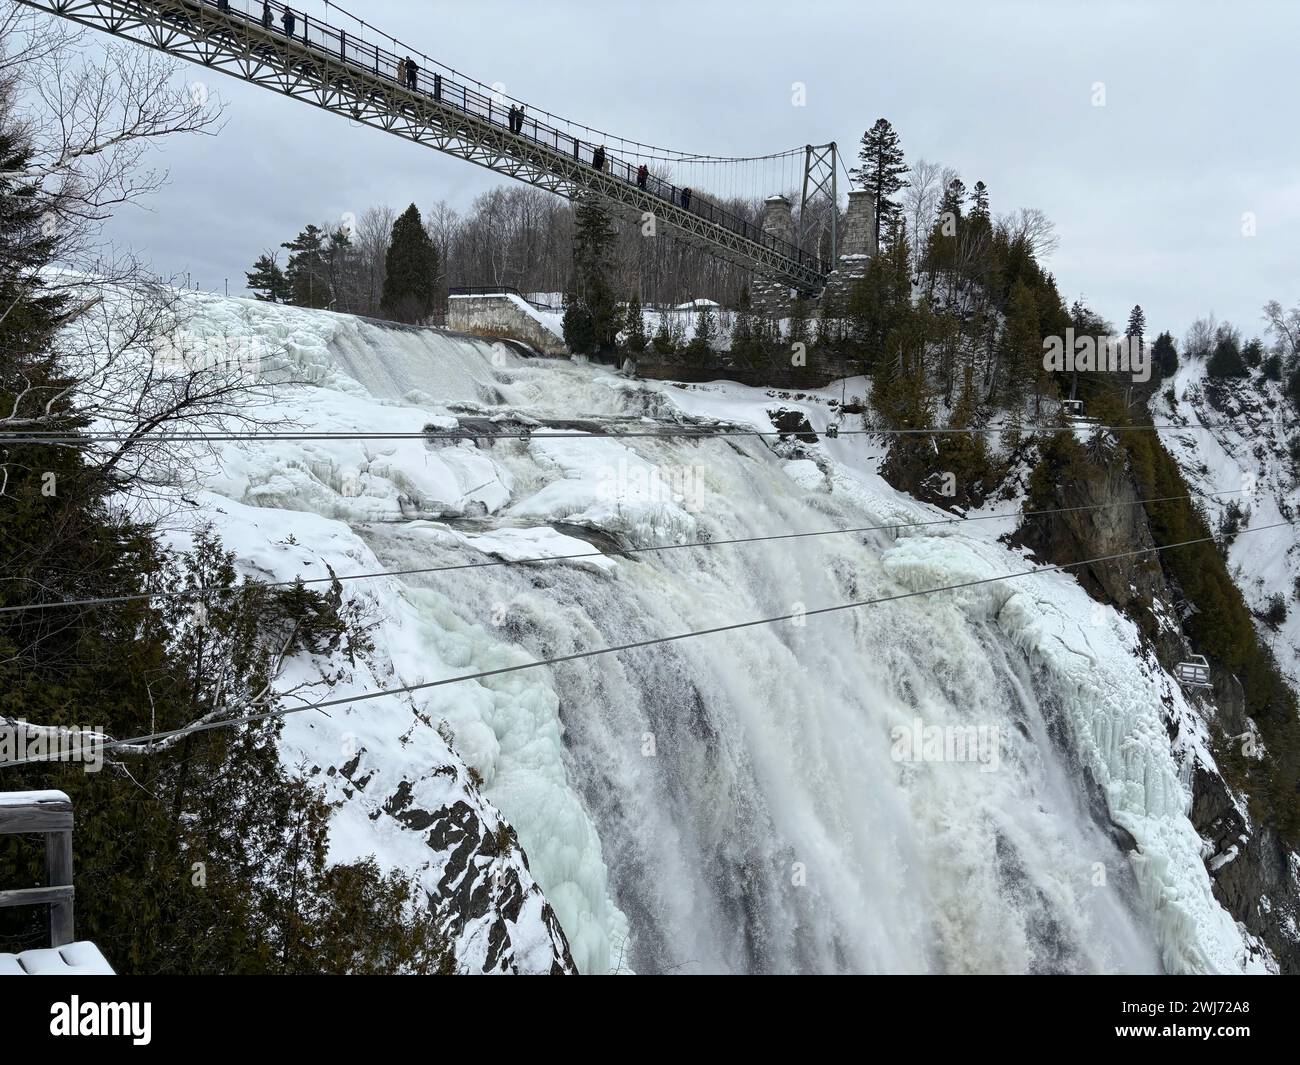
(1137, 327)
(593, 243)
(744, 343)
(882, 299)
(306, 272)
(663, 340)
(1226, 361)
(411, 265)
(881, 172)
(980, 201)
(954, 199)
(700, 349)
(634, 332)
(579, 332)
(1021, 349)
(1165, 355)
(267, 281)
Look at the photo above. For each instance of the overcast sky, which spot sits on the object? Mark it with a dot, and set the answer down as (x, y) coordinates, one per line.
(1148, 191)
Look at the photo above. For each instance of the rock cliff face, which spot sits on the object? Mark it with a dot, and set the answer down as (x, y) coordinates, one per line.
(1254, 874)
(480, 890)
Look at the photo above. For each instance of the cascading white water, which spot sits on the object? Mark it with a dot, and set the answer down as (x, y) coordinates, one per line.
(737, 802)
(742, 784)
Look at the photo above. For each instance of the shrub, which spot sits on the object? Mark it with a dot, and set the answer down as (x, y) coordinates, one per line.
(1274, 612)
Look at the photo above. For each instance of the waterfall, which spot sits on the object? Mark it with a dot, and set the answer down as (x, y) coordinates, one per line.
(968, 781)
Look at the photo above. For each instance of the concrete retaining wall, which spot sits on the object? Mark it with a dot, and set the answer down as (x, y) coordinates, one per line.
(506, 315)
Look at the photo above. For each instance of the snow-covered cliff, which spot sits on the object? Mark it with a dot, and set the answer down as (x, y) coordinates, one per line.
(1237, 440)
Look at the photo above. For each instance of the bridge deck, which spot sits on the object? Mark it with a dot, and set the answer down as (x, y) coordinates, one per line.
(330, 68)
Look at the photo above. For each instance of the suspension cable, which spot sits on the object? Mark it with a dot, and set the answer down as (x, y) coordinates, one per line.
(663, 154)
(348, 700)
(183, 593)
(58, 437)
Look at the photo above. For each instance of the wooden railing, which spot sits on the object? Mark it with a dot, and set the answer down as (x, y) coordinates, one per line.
(47, 813)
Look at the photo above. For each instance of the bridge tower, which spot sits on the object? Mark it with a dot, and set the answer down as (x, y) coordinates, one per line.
(773, 296)
(857, 246)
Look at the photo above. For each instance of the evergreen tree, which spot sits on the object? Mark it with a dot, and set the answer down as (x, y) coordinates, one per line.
(980, 201)
(1226, 359)
(411, 265)
(882, 299)
(1252, 354)
(634, 331)
(799, 320)
(700, 349)
(306, 272)
(881, 172)
(267, 281)
(744, 342)
(1165, 354)
(954, 199)
(663, 340)
(1137, 327)
(578, 328)
(1021, 349)
(593, 244)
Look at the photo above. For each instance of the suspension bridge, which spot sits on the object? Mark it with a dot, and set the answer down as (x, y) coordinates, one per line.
(348, 72)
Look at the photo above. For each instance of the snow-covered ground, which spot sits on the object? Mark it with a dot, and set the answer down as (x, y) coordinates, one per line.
(1241, 449)
(746, 800)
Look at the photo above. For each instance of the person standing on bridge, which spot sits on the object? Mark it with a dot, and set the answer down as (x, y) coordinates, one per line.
(266, 16)
(412, 74)
(686, 198)
(642, 176)
(514, 113)
(401, 71)
(598, 158)
(288, 19)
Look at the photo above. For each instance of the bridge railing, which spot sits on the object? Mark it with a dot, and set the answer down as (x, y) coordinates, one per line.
(334, 45)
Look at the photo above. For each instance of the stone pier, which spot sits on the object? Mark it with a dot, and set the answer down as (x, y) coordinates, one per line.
(770, 296)
(857, 246)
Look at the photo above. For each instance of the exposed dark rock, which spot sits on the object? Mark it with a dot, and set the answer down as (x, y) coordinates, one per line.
(792, 423)
(481, 879)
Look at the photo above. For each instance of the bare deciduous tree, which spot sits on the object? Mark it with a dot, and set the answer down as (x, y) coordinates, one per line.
(1033, 227)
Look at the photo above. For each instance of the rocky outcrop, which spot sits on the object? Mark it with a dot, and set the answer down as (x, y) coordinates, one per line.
(479, 889)
(1254, 874)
